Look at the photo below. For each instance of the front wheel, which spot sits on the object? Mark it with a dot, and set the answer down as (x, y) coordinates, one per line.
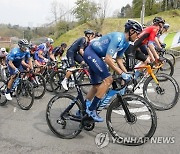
(3, 99)
(25, 94)
(143, 124)
(162, 96)
(66, 125)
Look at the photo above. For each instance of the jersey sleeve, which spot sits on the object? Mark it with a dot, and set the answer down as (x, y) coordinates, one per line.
(153, 34)
(113, 45)
(82, 43)
(11, 56)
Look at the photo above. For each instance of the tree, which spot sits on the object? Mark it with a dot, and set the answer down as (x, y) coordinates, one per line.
(85, 10)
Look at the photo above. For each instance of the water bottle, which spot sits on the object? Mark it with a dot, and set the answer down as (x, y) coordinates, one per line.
(16, 82)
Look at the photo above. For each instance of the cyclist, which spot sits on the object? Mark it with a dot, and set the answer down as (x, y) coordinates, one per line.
(42, 53)
(58, 51)
(164, 30)
(107, 46)
(32, 48)
(41, 56)
(146, 39)
(75, 52)
(97, 34)
(3, 55)
(14, 60)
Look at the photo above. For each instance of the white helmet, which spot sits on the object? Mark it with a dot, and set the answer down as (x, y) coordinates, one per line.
(50, 40)
(3, 49)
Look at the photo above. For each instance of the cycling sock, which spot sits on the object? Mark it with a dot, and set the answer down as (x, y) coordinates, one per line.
(94, 103)
(8, 91)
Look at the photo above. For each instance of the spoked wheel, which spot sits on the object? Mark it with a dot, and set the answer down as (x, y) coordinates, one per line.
(85, 79)
(163, 96)
(66, 125)
(171, 57)
(39, 85)
(3, 99)
(25, 94)
(139, 129)
(167, 67)
(55, 81)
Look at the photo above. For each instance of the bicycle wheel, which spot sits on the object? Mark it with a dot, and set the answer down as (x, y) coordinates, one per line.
(55, 81)
(39, 85)
(3, 99)
(84, 79)
(171, 57)
(163, 96)
(134, 133)
(25, 94)
(47, 76)
(63, 126)
(167, 67)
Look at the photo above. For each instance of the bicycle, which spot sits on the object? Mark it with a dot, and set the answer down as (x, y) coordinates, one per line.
(170, 56)
(24, 92)
(39, 84)
(57, 77)
(133, 112)
(156, 87)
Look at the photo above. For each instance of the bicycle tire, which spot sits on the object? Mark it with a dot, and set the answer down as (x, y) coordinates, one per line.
(39, 86)
(25, 91)
(84, 79)
(54, 124)
(159, 97)
(171, 57)
(55, 81)
(167, 68)
(142, 111)
(3, 99)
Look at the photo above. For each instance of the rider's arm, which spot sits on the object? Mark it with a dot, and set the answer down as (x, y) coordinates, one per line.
(11, 64)
(158, 43)
(51, 55)
(109, 60)
(40, 54)
(120, 62)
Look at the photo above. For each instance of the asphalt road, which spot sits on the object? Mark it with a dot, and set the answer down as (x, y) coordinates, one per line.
(27, 132)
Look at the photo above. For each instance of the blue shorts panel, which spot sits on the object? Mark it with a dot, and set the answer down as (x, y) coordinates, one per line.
(97, 67)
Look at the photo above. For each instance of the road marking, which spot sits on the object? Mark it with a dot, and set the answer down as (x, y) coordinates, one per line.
(14, 109)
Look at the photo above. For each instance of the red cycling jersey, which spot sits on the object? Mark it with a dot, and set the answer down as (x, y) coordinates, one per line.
(152, 31)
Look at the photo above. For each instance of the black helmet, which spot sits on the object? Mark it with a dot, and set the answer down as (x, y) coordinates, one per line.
(97, 34)
(23, 43)
(166, 26)
(63, 45)
(88, 32)
(133, 24)
(158, 20)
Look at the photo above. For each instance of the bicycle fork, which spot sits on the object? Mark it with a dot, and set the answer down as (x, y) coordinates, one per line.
(129, 116)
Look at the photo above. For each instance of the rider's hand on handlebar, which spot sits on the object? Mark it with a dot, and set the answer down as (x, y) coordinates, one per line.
(126, 77)
(16, 71)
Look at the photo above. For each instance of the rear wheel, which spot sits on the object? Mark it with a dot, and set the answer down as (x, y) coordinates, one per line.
(55, 81)
(39, 85)
(63, 125)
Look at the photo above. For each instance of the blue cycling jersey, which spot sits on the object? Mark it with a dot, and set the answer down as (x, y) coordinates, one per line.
(16, 56)
(111, 44)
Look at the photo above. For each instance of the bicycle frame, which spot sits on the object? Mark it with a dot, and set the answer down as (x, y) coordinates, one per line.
(106, 100)
(150, 70)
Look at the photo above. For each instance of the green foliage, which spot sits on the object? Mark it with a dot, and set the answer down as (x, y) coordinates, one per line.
(117, 24)
(85, 10)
